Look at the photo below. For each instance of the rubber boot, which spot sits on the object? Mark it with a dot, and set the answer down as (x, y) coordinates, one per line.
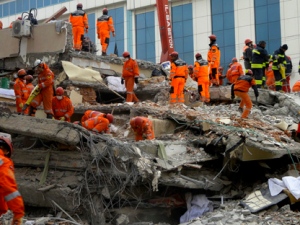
(49, 116)
(104, 54)
(32, 111)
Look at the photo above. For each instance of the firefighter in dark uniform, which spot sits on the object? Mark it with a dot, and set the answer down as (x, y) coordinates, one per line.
(278, 67)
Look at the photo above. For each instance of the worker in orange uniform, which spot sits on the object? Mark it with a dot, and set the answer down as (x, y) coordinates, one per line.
(105, 25)
(99, 124)
(130, 74)
(247, 53)
(220, 75)
(45, 88)
(29, 85)
(79, 21)
(270, 78)
(191, 72)
(20, 90)
(202, 74)
(228, 74)
(240, 88)
(10, 197)
(296, 87)
(1, 25)
(236, 70)
(62, 106)
(213, 56)
(178, 76)
(90, 114)
(142, 127)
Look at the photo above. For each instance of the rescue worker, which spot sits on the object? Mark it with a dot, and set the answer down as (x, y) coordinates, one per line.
(90, 114)
(29, 85)
(10, 197)
(270, 82)
(213, 56)
(228, 74)
(99, 124)
(45, 89)
(220, 75)
(288, 72)
(202, 75)
(62, 106)
(105, 25)
(178, 76)
(143, 128)
(296, 87)
(240, 88)
(130, 74)
(20, 90)
(1, 25)
(259, 60)
(279, 63)
(247, 53)
(79, 21)
(236, 70)
(191, 72)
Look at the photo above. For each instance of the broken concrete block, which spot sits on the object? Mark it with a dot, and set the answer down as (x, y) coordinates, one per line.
(267, 143)
(42, 221)
(163, 127)
(174, 149)
(121, 220)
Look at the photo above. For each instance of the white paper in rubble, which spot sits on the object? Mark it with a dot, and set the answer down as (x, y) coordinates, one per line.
(7, 93)
(288, 182)
(114, 83)
(76, 73)
(190, 84)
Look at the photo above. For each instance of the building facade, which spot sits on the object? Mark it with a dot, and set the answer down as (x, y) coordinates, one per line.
(275, 21)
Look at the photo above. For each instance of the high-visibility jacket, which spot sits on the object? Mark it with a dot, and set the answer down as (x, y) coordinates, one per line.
(10, 197)
(62, 108)
(201, 70)
(289, 65)
(214, 55)
(20, 93)
(98, 124)
(145, 131)
(279, 58)
(260, 58)
(105, 24)
(90, 114)
(79, 18)
(296, 87)
(130, 69)
(270, 77)
(179, 69)
(236, 70)
(243, 84)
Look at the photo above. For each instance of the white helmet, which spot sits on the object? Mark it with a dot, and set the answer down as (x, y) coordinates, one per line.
(37, 62)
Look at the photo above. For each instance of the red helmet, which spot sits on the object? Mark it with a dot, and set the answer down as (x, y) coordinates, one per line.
(126, 54)
(6, 143)
(59, 91)
(234, 59)
(104, 11)
(198, 55)
(174, 54)
(249, 72)
(136, 122)
(110, 117)
(79, 5)
(212, 37)
(191, 67)
(29, 78)
(21, 73)
(247, 41)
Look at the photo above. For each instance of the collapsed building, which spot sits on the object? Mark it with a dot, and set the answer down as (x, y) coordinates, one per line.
(201, 151)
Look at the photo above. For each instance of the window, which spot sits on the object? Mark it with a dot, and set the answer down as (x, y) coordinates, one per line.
(223, 27)
(5, 9)
(19, 8)
(92, 27)
(145, 36)
(12, 8)
(182, 25)
(267, 23)
(32, 4)
(26, 5)
(47, 3)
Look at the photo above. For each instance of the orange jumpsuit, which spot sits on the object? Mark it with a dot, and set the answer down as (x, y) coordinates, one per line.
(79, 21)
(10, 198)
(90, 114)
(45, 83)
(145, 131)
(178, 76)
(130, 71)
(213, 58)
(98, 124)
(105, 25)
(202, 74)
(240, 89)
(20, 93)
(270, 77)
(62, 108)
(228, 74)
(236, 70)
(296, 87)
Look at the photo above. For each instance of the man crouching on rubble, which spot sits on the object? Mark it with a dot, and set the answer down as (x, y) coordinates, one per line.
(142, 128)
(240, 88)
(10, 197)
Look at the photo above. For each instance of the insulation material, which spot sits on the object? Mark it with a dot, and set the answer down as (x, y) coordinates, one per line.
(76, 73)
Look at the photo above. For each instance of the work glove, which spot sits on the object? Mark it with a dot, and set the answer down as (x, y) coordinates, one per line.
(122, 81)
(17, 221)
(21, 105)
(136, 80)
(24, 107)
(62, 118)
